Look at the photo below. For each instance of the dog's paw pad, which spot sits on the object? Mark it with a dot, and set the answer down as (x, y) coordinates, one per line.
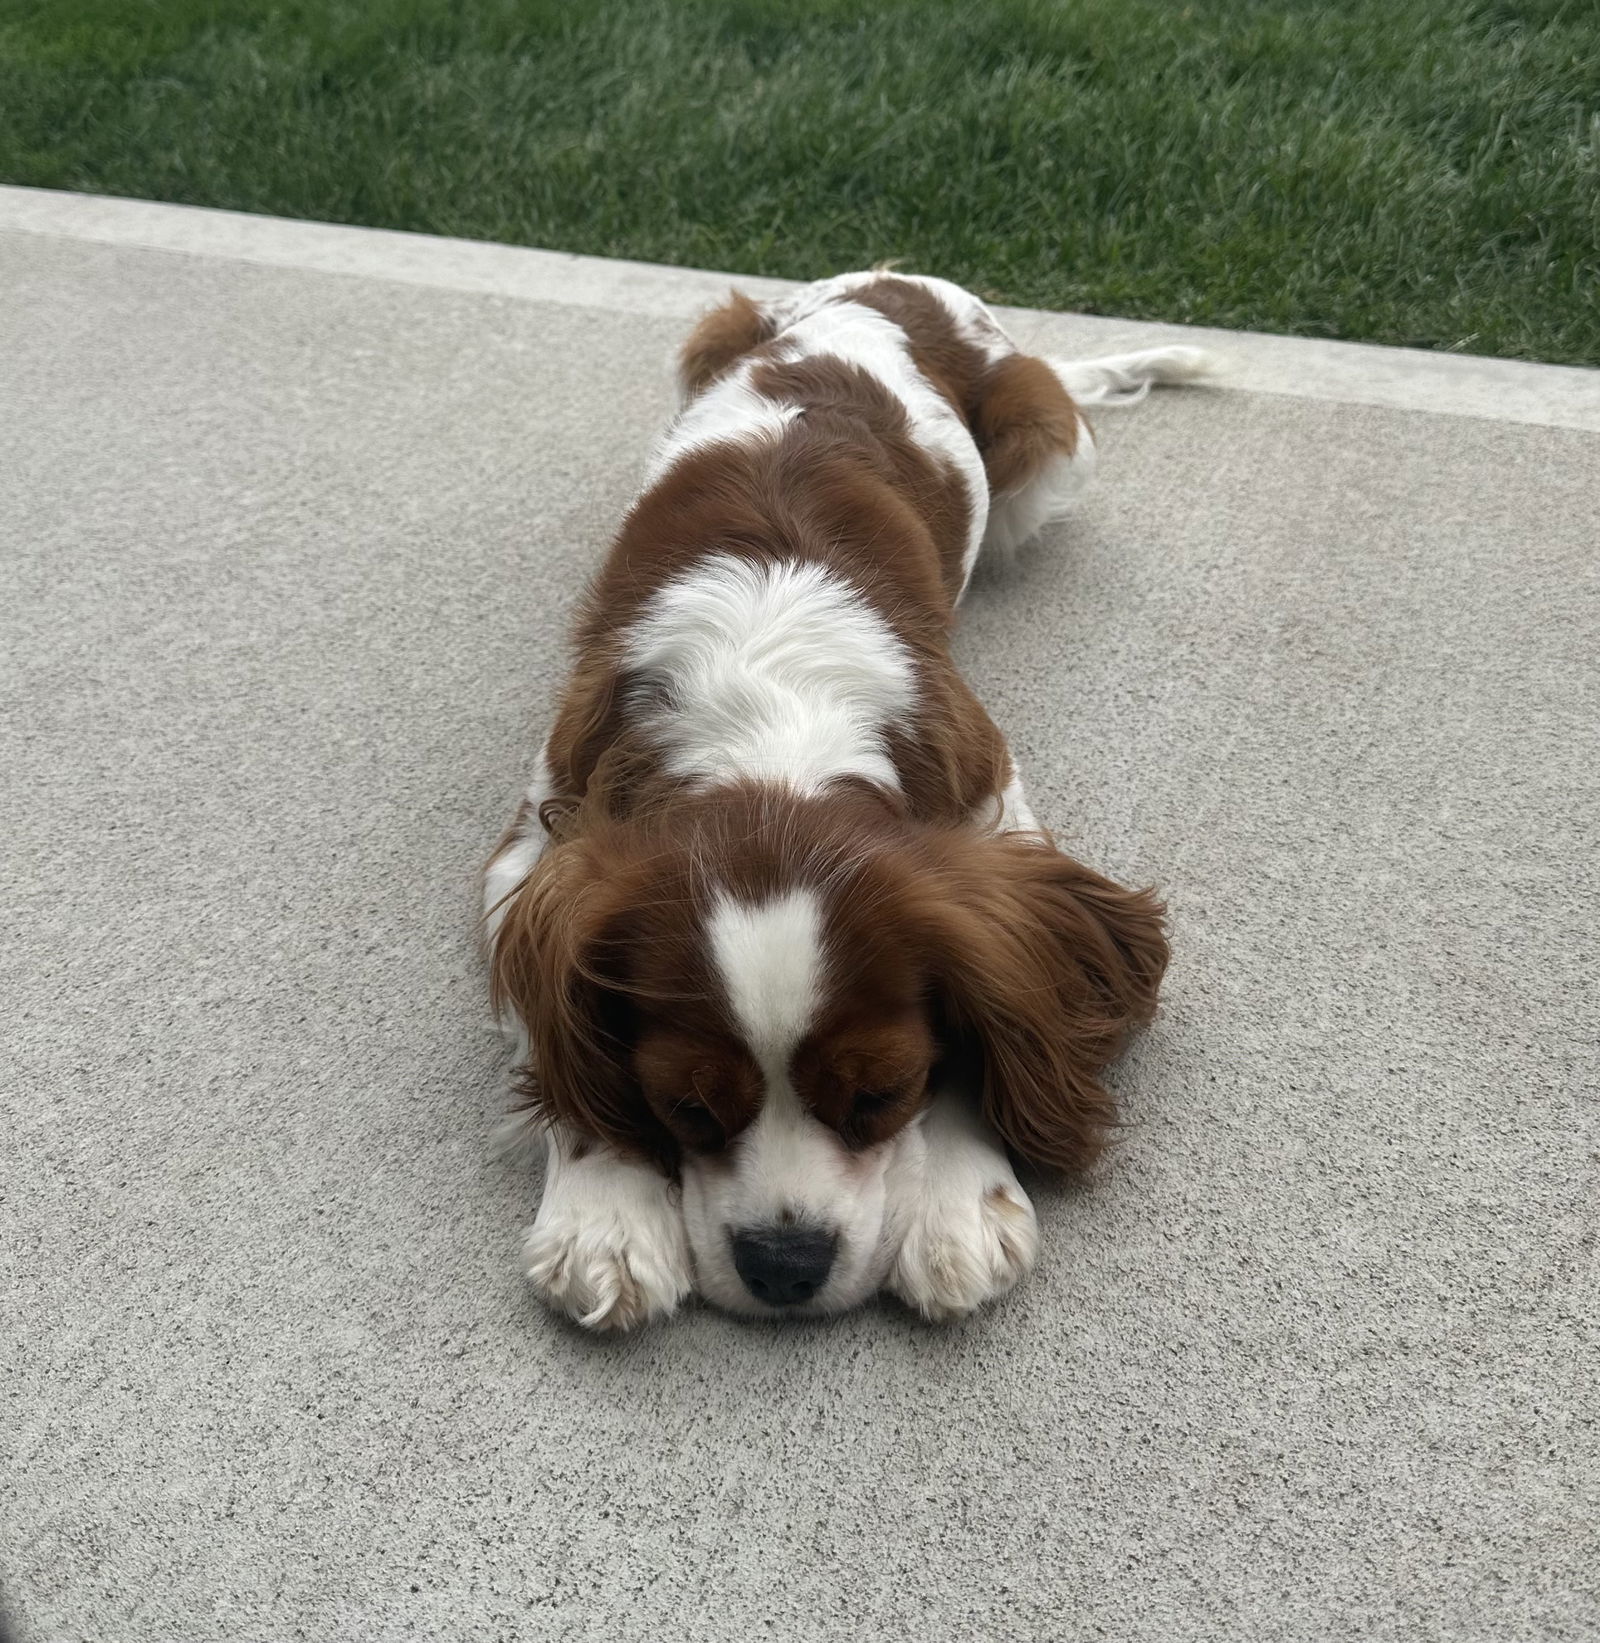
(965, 1249)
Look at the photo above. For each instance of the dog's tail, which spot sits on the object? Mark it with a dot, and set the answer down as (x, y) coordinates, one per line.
(1124, 379)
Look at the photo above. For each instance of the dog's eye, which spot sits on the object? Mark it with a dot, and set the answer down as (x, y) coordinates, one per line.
(870, 1113)
(697, 1124)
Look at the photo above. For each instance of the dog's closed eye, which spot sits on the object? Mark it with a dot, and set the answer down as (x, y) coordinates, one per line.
(702, 1091)
(875, 1111)
(696, 1125)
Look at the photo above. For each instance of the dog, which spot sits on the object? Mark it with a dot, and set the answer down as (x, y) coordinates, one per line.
(787, 960)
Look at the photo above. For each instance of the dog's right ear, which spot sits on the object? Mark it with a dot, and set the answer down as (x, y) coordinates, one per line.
(555, 967)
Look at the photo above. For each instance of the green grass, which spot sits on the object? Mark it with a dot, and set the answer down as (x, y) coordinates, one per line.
(1405, 171)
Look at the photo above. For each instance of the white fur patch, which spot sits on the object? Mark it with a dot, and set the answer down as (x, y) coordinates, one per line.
(519, 856)
(770, 958)
(728, 410)
(787, 1166)
(969, 315)
(964, 1230)
(1008, 811)
(777, 672)
(1047, 497)
(1016, 814)
(608, 1245)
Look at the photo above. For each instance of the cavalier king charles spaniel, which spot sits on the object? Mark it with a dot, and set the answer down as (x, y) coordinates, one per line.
(788, 962)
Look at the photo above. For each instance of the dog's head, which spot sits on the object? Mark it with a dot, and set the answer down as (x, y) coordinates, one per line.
(756, 990)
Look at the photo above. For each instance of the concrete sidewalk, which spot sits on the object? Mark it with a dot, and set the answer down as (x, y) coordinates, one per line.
(293, 518)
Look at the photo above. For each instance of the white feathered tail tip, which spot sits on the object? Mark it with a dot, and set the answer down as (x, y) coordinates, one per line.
(1124, 379)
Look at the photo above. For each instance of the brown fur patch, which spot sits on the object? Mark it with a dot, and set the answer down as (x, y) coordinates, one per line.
(720, 340)
(863, 412)
(603, 957)
(1048, 965)
(953, 365)
(1023, 420)
(1020, 415)
(953, 758)
(596, 750)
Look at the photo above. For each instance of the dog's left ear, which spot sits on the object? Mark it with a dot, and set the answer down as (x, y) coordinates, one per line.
(1048, 965)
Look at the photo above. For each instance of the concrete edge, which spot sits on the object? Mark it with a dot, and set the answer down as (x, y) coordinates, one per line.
(1499, 390)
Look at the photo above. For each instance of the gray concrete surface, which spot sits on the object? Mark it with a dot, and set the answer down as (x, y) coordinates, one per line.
(287, 557)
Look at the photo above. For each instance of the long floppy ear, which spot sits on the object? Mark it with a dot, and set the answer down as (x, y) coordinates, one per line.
(1048, 965)
(554, 967)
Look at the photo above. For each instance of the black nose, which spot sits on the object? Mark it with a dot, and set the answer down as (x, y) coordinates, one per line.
(784, 1266)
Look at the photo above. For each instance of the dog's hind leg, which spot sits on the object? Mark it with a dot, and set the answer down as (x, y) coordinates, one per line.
(1038, 448)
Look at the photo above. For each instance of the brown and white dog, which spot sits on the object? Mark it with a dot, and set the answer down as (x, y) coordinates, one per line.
(788, 961)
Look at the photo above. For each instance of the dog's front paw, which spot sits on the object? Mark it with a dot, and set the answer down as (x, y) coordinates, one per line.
(611, 1254)
(964, 1246)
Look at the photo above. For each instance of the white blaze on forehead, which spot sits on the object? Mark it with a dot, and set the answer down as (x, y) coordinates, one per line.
(787, 1166)
(771, 961)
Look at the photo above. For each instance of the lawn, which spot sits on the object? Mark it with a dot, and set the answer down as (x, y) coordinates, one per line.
(1404, 171)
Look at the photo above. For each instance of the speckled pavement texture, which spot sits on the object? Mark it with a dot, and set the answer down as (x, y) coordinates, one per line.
(288, 556)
